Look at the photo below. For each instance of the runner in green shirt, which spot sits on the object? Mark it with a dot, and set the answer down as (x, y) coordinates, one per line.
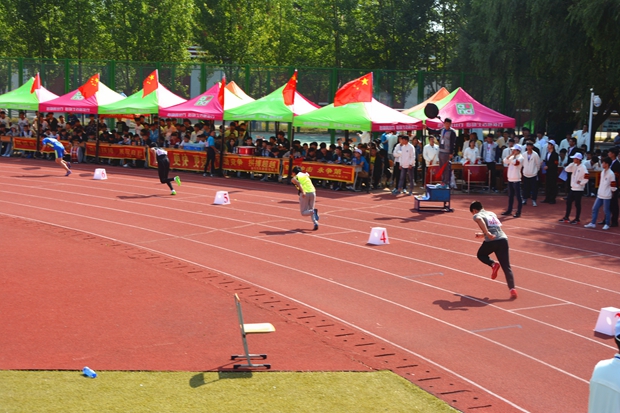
(307, 195)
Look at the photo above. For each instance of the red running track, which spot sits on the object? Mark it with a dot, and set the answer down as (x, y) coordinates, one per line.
(425, 294)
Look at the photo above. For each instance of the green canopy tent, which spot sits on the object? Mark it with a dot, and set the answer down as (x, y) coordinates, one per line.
(27, 97)
(24, 98)
(137, 104)
(271, 108)
(366, 116)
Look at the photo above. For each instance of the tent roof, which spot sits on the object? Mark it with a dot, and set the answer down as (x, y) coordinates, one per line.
(437, 96)
(74, 102)
(271, 108)
(365, 116)
(206, 105)
(22, 99)
(467, 113)
(234, 88)
(151, 103)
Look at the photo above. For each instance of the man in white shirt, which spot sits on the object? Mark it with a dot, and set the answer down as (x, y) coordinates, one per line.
(531, 166)
(407, 162)
(583, 137)
(507, 151)
(541, 142)
(605, 383)
(487, 153)
(430, 154)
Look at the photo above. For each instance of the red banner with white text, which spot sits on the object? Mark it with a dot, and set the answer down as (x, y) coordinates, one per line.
(327, 171)
(30, 144)
(112, 151)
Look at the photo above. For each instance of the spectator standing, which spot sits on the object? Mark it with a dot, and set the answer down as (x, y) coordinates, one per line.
(488, 156)
(430, 154)
(407, 162)
(550, 169)
(579, 179)
(514, 162)
(531, 166)
(615, 168)
(582, 137)
(211, 153)
(607, 186)
(447, 143)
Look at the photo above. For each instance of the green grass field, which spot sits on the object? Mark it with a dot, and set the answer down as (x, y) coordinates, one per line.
(115, 391)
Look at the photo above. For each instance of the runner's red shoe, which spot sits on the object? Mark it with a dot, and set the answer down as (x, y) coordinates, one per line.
(513, 293)
(495, 270)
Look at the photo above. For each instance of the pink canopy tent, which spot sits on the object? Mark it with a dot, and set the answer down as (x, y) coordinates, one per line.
(207, 105)
(467, 113)
(437, 96)
(74, 102)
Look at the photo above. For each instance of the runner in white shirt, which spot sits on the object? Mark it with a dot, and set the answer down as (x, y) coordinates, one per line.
(607, 186)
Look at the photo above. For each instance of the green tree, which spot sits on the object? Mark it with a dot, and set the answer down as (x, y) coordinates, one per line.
(547, 54)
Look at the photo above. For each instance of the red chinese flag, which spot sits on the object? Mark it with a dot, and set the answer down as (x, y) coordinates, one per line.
(36, 84)
(289, 90)
(358, 90)
(220, 94)
(150, 84)
(91, 87)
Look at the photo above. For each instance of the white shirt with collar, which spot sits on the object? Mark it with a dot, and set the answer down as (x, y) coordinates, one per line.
(583, 138)
(406, 155)
(605, 387)
(531, 164)
(431, 154)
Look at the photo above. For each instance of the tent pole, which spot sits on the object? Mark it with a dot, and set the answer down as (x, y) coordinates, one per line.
(291, 133)
(96, 142)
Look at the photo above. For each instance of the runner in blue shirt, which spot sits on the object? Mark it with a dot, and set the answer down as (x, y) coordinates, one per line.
(59, 149)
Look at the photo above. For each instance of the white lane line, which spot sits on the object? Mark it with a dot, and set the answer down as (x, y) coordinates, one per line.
(539, 306)
(436, 234)
(385, 272)
(496, 328)
(347, 262)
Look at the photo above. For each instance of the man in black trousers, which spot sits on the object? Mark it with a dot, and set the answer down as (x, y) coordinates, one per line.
(615, 168)
(551, 173)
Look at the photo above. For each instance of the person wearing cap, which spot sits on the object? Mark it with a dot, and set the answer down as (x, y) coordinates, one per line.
(362, 169)
(495, 241)
(550, 169)
(531, 166)
(605, 382)
(514, 162)
(607, 186)
(579, 179)
(447, 145)
(307, 195)
(405, 154)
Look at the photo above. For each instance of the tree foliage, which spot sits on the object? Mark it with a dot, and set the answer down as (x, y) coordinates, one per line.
(548, 53)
